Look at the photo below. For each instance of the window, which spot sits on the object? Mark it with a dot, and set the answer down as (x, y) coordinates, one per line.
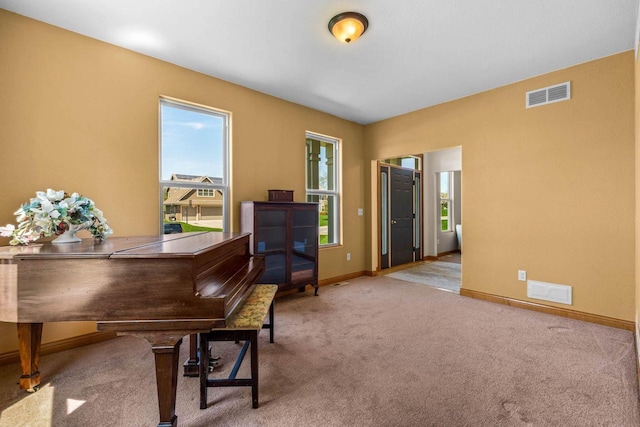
(206, 192)
(323, 186)
(411, 162)
(194, 173)
(446, 201)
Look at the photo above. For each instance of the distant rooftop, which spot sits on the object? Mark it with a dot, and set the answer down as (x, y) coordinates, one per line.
(195, 178)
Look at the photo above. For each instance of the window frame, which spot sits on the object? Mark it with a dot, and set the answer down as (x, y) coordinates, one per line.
(336, 193)
(224, 188)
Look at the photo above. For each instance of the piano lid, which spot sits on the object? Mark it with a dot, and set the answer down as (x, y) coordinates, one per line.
(169, 245)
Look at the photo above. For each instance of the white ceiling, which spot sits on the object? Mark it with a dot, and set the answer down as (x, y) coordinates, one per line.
(415, 54)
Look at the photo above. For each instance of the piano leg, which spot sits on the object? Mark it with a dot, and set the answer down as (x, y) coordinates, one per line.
(29, 339)
(191, 364)
(167, 381)
(165, 345)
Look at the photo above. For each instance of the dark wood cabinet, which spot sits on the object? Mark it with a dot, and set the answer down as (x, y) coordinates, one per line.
(286, 233)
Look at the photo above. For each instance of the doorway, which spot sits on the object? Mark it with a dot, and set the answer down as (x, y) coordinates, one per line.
(430, 240)
(400, 192)
(442, 202)
(448, 214)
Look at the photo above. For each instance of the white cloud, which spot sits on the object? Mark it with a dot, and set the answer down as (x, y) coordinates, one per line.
(195, 125)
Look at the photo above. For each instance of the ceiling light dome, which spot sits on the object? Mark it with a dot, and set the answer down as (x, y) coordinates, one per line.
(348, 26)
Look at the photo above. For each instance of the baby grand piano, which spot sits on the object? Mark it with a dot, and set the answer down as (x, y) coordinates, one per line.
(157, 288)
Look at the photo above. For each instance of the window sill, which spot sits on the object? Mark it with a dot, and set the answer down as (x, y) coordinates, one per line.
(330, 246)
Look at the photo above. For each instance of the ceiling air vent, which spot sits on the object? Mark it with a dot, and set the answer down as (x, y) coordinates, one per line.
(549, 94)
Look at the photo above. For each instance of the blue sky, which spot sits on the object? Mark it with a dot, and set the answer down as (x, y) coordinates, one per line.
(191, 143)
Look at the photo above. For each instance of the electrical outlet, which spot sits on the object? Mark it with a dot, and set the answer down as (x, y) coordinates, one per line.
(348, 256)
(522, 275)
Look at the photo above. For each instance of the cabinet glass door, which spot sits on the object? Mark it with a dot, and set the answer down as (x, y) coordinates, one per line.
(271, 231)
(304, 235)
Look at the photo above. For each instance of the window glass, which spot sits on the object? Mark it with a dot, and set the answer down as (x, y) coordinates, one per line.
(322, 185)
(384, 209)
(320, 165)
(410, 162)
(192, 141)
(417, 208)
(193, 168)
(445, 200)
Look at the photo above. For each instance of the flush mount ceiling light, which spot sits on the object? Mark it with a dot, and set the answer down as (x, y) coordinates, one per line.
(348, 26)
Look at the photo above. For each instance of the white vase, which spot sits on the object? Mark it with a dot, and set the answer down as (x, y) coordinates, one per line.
(69, 236)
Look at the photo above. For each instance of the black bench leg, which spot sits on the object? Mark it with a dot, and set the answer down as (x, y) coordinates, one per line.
(271, 321)
(204, 369)
(254, 368)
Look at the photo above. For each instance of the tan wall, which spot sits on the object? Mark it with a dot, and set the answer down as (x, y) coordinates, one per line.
(549, 190)
(637, 229)
(81, 115)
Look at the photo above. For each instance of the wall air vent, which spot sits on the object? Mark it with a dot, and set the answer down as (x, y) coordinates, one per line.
(548, 95)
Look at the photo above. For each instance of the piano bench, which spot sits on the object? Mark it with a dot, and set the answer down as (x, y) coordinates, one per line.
(242, 326)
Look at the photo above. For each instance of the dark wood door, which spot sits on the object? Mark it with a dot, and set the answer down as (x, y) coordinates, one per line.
(401, 204)
(384, 247)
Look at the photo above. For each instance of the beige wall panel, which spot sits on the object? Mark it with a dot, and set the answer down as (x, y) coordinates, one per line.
(81, 115)
(549, 190)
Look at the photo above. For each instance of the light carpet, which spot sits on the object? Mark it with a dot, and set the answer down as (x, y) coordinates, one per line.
(442, 275)
(374, 352)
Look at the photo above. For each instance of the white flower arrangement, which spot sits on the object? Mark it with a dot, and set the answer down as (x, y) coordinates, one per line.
(52, 213)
